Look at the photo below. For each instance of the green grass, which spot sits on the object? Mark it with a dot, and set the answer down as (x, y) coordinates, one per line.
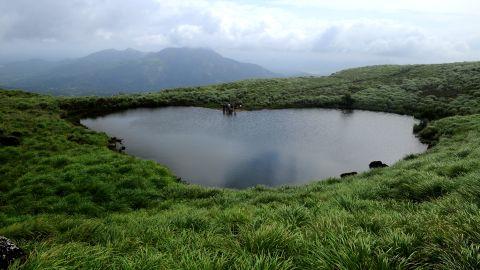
(74, 204)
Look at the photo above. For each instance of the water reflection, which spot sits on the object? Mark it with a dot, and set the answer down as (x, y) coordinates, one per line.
(269, 147)
(266, 168)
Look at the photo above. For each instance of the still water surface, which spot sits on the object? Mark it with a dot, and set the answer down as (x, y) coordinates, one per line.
(269, 147)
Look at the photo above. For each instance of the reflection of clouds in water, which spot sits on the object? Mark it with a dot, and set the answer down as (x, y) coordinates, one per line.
(266, 168)
(199, 158)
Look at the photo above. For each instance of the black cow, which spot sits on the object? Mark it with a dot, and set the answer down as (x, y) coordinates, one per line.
(9, 252)
(377, 164)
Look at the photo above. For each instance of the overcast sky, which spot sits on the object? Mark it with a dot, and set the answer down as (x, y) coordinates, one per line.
(301, 35)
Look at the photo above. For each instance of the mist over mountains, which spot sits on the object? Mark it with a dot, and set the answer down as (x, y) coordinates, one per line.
(126, 71)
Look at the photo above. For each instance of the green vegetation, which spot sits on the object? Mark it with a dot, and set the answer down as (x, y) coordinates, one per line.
(425, 91)
(74, 204)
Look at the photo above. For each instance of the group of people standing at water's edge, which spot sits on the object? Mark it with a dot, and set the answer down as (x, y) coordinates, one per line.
(230, 108)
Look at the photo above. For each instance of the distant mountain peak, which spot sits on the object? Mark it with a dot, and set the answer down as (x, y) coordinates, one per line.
(189, 51)
(112, 71)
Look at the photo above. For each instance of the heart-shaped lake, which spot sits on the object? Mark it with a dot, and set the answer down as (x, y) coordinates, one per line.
(269, 147)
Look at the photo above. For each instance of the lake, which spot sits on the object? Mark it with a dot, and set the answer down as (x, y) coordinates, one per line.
(267, 147)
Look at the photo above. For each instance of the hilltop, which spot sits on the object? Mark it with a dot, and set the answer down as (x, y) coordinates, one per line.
(73, 203)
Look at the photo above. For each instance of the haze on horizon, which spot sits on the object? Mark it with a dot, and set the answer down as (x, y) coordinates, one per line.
(282, 35)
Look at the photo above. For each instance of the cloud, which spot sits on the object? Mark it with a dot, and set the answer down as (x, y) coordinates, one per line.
(469, 7)
(380, 37)
(376, 28)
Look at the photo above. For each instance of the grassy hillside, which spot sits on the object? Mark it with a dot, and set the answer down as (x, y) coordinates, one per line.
(426, 91)
(73, 203)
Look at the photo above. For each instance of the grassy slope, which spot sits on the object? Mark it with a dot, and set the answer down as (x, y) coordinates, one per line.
(427, 91)
(73, 203)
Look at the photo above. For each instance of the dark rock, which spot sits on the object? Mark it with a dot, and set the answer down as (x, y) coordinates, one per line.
(347, 174)
(116, 144)
(420, 126)
(115, 139)
(9, 140)
(377, 164)
(9, 252)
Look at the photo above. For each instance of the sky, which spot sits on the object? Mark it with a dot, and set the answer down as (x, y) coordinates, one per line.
(317, 37)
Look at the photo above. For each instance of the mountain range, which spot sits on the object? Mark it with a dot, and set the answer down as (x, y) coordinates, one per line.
(126, 71)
